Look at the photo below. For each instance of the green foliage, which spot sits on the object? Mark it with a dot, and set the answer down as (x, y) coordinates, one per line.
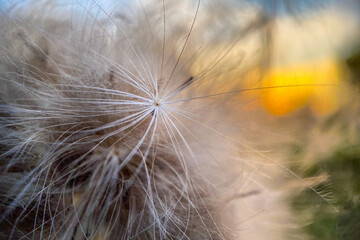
(320, 220)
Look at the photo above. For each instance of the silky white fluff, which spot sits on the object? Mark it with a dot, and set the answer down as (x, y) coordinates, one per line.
(124, 122)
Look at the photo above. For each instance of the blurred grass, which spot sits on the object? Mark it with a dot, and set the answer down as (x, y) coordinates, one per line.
(342, 166)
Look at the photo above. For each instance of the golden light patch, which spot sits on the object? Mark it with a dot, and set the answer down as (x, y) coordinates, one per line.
(316, 84)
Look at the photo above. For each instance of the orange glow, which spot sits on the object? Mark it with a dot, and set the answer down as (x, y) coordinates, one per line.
(316, 84)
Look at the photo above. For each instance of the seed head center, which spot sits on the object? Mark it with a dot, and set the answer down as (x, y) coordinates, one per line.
(156, 103)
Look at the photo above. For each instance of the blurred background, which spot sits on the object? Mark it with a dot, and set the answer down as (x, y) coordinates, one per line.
(318, 43)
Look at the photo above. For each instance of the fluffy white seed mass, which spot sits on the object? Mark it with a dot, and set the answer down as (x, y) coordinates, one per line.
(125, 122)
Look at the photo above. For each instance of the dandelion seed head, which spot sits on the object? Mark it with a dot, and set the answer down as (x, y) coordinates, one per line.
(108, 132)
